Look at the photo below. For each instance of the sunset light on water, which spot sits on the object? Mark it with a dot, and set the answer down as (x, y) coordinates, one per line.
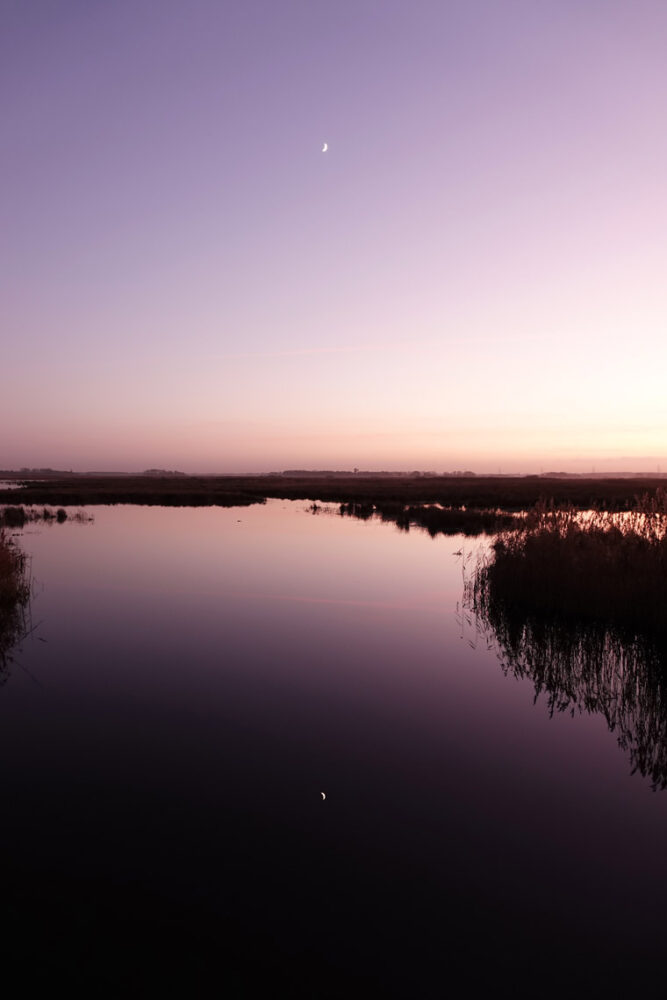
(333, 507)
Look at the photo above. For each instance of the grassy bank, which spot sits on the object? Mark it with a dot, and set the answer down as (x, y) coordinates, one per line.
(81, 491)
(511, 493)
(578, 605)
(597, 567)
(433, 518)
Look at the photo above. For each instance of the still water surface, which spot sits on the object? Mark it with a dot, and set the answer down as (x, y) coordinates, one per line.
(197, 678)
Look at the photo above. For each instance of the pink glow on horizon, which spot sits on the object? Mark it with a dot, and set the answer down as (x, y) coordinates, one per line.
(471, 277)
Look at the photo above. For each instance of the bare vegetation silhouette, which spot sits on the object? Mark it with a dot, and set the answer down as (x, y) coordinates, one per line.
(578, 604)
(434, 519)
(14, 598)
(591, 670)
(457, 491)
(147, 490)
(18, 516)
(595, 566)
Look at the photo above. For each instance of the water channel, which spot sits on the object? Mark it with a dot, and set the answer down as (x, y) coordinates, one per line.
(275, 746)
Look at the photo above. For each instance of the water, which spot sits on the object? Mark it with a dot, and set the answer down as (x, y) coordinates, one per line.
(197, 678)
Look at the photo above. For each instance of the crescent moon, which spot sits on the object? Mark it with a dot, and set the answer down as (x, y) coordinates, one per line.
(323, 796)
(325, 147)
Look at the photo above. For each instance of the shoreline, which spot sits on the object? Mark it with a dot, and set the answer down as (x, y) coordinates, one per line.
(507, 493)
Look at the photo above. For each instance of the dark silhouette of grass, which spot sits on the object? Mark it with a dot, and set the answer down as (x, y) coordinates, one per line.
(17, 517)
(595, 567)
(14, 597)
(434, 519)
(589, 669)
(14, 517)
(79, 491)
(578, 604)
(13, 586)
(480, 492)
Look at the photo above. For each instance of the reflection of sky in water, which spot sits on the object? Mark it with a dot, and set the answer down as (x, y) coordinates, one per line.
(207, 673)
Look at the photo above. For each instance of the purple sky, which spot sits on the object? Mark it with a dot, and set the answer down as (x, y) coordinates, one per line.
(473, 275)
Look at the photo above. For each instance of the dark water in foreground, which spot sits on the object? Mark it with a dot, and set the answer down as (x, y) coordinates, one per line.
(204, 676)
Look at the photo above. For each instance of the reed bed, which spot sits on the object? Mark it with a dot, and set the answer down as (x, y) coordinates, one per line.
(433, 518)
(511, 493)
(593, 566)
(14, 587)
(14, 597)
(577, 602)
(18, 516)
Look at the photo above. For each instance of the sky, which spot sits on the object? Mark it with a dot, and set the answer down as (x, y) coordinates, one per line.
(472, 276)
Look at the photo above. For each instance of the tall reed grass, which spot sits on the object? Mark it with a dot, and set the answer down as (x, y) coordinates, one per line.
(433, 518)
(14, 596)
(583, 566)
(17, 516)
(14, 586)
(577, 603)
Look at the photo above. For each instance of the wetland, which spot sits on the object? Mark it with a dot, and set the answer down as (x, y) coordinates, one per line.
(194, 678)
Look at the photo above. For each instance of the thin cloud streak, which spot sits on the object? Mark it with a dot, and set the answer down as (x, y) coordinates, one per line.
(308, 351)
(395, 348)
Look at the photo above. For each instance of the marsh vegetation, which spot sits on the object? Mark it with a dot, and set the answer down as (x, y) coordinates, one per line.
(14, 597)
(18, 516)
(575, 567)
(577, 603)
(511, 493)
(433, 518)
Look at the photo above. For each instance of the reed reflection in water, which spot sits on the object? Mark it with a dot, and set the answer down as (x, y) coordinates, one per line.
(14, 600)
(584, 668)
